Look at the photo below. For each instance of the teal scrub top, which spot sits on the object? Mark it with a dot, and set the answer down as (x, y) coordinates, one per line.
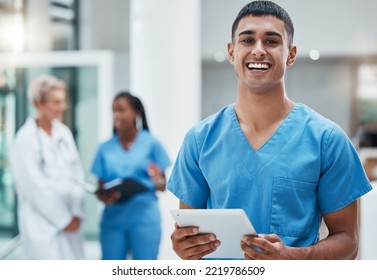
(307, 168)
(112, 162)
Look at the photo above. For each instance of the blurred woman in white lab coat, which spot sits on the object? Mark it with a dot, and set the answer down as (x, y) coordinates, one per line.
(48, 173)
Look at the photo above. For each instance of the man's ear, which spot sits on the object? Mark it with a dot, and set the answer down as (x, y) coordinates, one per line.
(292, 56)
(230, 52)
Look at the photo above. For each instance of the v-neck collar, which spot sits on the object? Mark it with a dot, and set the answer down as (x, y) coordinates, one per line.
(254, 161)
(270, 141)
(131, 147)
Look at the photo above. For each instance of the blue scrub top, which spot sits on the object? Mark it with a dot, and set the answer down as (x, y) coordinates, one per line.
(307, 168)
(112, 161)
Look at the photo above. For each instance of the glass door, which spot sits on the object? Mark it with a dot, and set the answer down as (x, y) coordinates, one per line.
(7, 130)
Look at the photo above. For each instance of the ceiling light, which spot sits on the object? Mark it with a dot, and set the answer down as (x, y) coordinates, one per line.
(314, 54)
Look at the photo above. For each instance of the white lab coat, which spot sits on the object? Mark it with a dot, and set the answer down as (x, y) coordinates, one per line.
(49, 195)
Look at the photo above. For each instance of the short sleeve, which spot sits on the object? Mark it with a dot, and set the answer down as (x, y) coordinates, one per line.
(343, 179)
(187, 181)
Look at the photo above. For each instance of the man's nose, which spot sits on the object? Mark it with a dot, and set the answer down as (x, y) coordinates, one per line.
(258, 50)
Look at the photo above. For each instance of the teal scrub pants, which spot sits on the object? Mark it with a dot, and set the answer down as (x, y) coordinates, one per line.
(141, 243)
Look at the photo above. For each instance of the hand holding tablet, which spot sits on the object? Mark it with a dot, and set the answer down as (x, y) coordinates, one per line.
(229, 226)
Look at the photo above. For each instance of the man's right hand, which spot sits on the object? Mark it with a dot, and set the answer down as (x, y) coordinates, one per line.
(190, 245)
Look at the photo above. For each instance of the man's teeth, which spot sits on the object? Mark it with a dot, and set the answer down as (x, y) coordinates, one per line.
(258, 66)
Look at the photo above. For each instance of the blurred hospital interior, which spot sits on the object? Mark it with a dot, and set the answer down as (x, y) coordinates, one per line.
(173, 55)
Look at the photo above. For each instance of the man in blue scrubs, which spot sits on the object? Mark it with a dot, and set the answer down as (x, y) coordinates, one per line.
(284, 164)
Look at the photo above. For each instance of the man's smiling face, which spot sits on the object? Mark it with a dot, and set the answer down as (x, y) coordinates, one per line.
(260, 52)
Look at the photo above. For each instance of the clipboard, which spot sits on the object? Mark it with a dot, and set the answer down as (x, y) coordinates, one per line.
(229, 226)
(125, 187)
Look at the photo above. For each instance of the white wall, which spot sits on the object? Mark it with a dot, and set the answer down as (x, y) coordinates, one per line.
(333, 27)
(368, 225)
(324, 86)
(104, 25)
(219, 86)
(37, 25)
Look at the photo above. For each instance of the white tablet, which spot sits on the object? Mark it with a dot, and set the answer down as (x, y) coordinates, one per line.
(229, 226)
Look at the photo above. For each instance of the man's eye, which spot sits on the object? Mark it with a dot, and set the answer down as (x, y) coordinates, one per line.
(271, 42)
(248, 40)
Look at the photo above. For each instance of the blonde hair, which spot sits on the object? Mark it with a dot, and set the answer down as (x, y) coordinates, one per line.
(40, 87)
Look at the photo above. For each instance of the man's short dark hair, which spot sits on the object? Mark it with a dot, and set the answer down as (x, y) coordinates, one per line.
(265, 8)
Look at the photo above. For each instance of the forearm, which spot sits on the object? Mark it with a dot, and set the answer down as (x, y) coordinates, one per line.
(339, 246)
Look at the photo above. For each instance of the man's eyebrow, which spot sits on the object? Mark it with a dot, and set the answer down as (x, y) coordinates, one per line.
(268, 33)
(246, 32)
(273, 33)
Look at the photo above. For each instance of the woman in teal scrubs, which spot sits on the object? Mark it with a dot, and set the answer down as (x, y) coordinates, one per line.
(131, 227)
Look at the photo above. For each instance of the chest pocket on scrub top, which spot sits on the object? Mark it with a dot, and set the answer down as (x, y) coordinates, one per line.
(293, 206)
